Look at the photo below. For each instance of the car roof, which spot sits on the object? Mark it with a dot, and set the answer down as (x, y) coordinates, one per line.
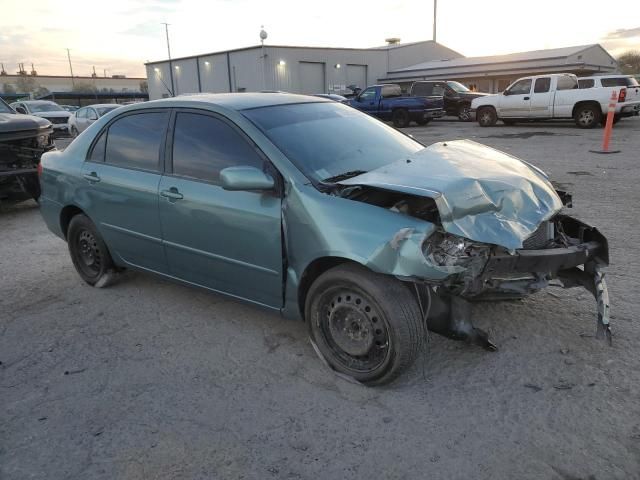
(103, 105)
(240, 101)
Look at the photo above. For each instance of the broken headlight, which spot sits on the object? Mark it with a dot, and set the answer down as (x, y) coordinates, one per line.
(449, 250)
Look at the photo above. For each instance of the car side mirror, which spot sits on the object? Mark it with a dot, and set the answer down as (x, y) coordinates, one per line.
(505, 93)
(246, 178)
(21, 110)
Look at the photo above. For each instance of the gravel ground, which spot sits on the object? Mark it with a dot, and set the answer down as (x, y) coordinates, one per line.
(149, 379)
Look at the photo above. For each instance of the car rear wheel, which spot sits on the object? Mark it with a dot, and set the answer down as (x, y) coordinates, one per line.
(487, 117)
(401, 118)
(364, 324)
(463, 113)
(587, 116)
(89, 253)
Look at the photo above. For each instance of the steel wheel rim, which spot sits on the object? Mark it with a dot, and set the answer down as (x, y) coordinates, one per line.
(586, 117)
(88, 254)
(354, 330)
(463, 114)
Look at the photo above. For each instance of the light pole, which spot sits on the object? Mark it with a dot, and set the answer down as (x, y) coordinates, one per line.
(435, 16)
(166, 30)
(70, 67)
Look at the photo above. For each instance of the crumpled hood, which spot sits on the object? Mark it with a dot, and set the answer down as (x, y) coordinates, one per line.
(13, 122)
(481, 193)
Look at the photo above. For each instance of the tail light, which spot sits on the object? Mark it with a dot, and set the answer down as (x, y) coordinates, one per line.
(623, 95)
(40, 169)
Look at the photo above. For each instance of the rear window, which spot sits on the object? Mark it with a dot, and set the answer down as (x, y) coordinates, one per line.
(586, 83)
(619, 82)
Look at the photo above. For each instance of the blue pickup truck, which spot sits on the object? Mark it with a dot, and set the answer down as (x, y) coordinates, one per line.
(388, 103)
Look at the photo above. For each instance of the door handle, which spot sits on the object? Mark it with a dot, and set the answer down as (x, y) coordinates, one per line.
(92, 177)
(526, 98)
(172, 194)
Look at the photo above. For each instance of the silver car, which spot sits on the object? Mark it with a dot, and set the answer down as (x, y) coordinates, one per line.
(83, 117)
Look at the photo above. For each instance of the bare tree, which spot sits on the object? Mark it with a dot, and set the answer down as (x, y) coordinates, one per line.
(629, 62)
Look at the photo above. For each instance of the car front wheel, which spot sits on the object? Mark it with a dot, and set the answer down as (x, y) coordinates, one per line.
(364, 324)
(89, 253)
(463, 113)
(587, 116)
(487, 116)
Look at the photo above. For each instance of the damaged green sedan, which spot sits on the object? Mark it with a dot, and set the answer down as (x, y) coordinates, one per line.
(313, 209)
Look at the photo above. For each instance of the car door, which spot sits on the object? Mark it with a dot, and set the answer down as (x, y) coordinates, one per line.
(366, 101)
(515, 101)
(91, 116)
(80, 119)
(228, 241)
(542, 98)
(121, 176)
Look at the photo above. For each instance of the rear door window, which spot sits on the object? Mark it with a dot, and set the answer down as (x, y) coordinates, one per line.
(422, 89)
(97, 151)
(542, 85)
(203, 145)
(135, 140)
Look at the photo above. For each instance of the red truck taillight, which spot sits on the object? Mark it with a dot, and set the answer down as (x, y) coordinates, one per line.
(623, 95)
(40, 168)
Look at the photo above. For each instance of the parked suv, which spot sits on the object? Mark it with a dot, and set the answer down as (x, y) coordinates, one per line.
(23, 139)
(53, 112)
(457, 97)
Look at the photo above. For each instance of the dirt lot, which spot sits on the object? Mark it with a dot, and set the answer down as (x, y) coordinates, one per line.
(148, 379)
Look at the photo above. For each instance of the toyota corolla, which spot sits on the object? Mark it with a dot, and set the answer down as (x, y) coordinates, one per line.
(313, 209)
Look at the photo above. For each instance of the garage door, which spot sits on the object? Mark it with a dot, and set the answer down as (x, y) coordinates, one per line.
(312, 78)
(357, 75)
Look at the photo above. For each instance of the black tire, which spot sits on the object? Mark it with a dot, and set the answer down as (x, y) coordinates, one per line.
(89, 253)
(508, 122)
(616, 119)
(73, 132)
(487, 116)
(423, 121)
(587, 116)
(463, 113)
(401, 118)
(366, 325)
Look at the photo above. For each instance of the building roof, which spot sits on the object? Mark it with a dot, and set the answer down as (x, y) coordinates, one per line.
(558, 60)
(362, 49)
(548, 54)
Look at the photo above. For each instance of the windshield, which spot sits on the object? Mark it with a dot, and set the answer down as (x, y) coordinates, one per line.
(4, 108)
(325, 140)
(104, 110)
(458, 87)
(38, 107)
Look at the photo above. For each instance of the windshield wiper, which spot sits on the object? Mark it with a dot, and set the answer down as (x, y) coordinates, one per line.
(343, 176)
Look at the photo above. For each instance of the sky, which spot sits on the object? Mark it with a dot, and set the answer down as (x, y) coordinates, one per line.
(119, 36)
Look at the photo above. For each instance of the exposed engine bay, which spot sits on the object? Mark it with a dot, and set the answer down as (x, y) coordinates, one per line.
(561, 249)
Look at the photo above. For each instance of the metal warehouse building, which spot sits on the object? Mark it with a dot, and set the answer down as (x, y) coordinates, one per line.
(331, 70)
(292, 69)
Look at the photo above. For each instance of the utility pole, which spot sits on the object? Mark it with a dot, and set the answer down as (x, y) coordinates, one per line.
(435, 16)
(166, 29)
(70, 68)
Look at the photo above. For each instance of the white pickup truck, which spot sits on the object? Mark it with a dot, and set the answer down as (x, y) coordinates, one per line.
(543, 97)
(631, 104)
